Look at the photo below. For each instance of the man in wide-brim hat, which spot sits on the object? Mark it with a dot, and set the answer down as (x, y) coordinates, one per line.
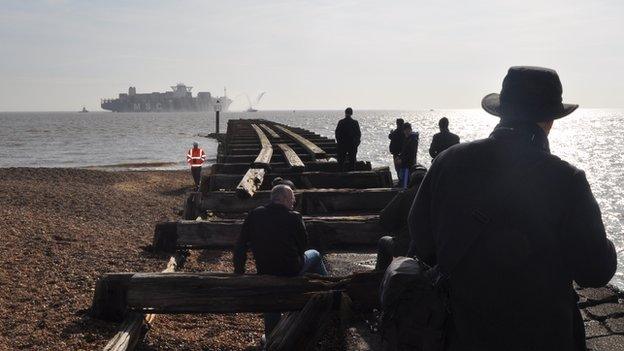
(513, 226)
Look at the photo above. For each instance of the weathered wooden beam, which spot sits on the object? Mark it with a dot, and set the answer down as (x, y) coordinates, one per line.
(334, 200)
(312, 148)
(293, 161)
(331, 149)
(128, 334)
(110, 298)
(264, 156)
(323, 232)
(319, 166)
(377, 178)
(251, 182)
(135, 325)
(248, 144)
(302, 329)
(232, 293)
(264, 141)
(271, 132)
(221, 293)
(251, 158)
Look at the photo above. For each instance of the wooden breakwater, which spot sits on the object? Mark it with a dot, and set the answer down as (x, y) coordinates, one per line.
(340, 209)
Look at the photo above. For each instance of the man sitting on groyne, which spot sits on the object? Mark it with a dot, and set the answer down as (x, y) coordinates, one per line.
(512, 226)
(393, 218)
(278, 239)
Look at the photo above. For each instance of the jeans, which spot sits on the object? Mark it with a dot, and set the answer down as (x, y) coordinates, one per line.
(405, 173)
(312, 263)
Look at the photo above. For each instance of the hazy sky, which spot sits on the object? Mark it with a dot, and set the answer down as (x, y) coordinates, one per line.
(61, 55)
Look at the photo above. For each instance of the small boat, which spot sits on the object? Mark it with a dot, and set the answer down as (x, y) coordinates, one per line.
(252, 110)
(84, 110)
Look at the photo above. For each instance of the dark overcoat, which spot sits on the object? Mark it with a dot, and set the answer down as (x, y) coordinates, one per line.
(277, 237)
(442, 141)
(513, 289)
(348, 134)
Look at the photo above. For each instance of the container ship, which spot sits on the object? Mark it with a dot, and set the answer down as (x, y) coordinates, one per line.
(179, 98)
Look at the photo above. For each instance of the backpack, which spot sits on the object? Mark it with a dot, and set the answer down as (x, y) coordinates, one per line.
(415, 308)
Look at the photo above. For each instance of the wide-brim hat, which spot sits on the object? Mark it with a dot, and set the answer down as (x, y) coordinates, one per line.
(530, 94)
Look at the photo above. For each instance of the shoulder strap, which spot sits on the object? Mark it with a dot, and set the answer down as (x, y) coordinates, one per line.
(488, 207)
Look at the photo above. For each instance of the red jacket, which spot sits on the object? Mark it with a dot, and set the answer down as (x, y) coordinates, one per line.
(195, 157)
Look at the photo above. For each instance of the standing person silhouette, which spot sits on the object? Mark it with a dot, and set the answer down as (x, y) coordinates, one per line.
(397, 137)
(442, 140)
(347, 139)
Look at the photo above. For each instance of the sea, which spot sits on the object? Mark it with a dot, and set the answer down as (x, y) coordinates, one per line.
(590, 139)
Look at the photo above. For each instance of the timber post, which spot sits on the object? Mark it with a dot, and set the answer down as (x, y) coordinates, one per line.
(110, 301)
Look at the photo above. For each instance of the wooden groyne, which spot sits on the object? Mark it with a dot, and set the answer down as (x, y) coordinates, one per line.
(340, 209)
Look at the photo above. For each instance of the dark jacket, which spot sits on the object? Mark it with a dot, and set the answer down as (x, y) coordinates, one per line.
(442, 141)
(396, 141)
(393, 217)
(410, 150)
(348, 133)
(277, 237)
(513, 290)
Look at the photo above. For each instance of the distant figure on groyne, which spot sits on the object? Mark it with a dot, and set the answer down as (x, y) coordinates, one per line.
(397, 137)
(348, 136)
(442, 140)
(195, 157)
(513, 226)
(407, 158)
(278, 239)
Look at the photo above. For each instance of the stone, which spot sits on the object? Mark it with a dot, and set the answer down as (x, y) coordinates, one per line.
(585, 316)
(605, 310)
(616, 325)
(594, 329)
(595, 296)
(606, 343)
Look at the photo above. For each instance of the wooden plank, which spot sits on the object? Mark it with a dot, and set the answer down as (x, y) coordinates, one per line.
(135, 325)
(254, 143)
(334, 200)
(232, 293)
(263, 160)
(252, 158)
(264, 156)
(323, 232)
(253, 150)
(271, 132)
(251, 182)
(293, 161)
(379, 178)
(264, 141)
(221, 293)
(302, 329)
(128, 334)
(312, 148)
(319, 166)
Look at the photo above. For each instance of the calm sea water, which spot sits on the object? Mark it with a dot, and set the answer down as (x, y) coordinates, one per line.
(590, 139)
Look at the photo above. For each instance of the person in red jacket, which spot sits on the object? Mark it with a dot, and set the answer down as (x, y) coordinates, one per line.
(195, 157)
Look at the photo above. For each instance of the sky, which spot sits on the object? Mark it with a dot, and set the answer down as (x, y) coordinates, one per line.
(60, 55)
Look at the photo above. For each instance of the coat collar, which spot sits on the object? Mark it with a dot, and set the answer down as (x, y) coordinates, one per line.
(531, 133)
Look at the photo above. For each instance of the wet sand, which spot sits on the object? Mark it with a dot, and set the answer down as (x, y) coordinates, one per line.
(63, 228)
